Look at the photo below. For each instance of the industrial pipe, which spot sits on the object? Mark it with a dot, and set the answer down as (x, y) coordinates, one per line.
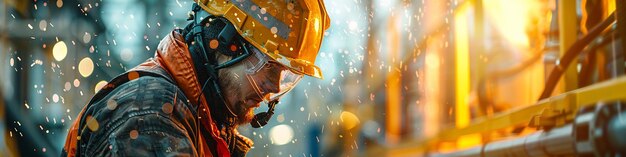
(595, 132)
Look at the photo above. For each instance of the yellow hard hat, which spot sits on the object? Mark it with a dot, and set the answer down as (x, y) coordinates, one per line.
(289, 31)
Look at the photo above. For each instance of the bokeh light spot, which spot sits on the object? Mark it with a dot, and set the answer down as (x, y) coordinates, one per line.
(281, 134)
(127, 55)
(60, 3)
(85, 67)
(59, 51)
(349, 120)
(280, 118)
(99, 86)
(92, 124)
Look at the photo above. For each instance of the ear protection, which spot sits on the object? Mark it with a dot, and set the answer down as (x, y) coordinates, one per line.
(206, 36)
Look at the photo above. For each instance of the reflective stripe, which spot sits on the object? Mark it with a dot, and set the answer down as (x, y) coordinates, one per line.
(246, 6)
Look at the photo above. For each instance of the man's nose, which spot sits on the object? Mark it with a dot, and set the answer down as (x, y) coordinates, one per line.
(272, 85)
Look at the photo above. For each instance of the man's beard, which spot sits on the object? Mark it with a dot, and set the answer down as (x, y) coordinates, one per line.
(244, 114)
(239, 107)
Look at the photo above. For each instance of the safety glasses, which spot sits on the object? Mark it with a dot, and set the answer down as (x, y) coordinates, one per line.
(270, 79)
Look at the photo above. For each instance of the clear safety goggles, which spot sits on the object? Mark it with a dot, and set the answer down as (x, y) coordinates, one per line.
(270, 79)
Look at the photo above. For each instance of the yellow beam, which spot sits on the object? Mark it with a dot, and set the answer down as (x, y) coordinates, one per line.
(394, 89)
(462, 76)
(610, 7)
(461, 57)
(567, 36)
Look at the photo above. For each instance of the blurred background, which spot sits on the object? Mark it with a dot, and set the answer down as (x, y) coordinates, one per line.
(398, 74)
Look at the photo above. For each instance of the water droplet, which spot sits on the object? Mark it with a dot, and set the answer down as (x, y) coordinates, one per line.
(76, 83)
(111, 104)
(43, 24)
(133, 75)
(55, 98)
(86, 37)
(134, 134)
(213, 44)
(67, 86)
(167, 108)
(290, 6)
(280, 118)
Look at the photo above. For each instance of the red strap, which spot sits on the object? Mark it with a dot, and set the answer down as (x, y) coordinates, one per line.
(207, 122)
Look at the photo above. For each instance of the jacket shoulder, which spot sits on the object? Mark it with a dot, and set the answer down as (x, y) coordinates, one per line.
(146, 115)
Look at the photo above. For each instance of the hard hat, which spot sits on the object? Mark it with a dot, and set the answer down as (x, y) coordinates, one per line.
(288, 31)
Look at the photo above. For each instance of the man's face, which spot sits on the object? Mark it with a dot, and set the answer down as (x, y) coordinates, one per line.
(240, 94)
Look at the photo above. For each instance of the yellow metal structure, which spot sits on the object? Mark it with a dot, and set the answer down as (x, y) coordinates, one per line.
(567, 36)
(394, 89)
(557, 111)
(462, 67)
(462, 75)
(562, 109)
(290, 32)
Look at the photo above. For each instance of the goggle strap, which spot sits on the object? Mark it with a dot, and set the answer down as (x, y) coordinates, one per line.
(237, 59)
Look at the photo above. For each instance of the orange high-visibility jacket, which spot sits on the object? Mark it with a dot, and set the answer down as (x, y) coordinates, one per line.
(152, 110)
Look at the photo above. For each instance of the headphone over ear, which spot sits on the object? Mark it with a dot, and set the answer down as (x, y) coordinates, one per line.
(206, 36)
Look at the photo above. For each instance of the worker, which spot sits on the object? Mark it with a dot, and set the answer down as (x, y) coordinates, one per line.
(204, 81)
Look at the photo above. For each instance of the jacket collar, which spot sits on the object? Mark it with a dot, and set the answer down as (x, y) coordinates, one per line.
(173, 55)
